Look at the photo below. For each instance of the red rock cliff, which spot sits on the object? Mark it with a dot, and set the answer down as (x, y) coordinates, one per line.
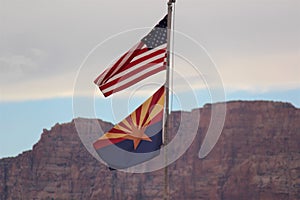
(256, 157)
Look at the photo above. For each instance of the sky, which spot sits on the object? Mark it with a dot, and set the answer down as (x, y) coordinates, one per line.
(51, 51)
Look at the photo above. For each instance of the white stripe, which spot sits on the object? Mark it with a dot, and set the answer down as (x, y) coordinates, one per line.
(125, 81)
(130, 52)
(161, 47)
(141, 64)
(101, 76)
(136, 76)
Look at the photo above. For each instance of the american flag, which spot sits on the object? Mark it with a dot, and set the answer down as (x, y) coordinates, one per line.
(146, 58)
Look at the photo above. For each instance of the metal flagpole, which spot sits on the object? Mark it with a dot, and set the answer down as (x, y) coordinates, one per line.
(167, 109)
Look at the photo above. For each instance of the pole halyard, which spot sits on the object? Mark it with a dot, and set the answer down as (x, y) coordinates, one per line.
(167, 108)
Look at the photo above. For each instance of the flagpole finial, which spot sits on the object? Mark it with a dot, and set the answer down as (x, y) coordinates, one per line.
(171, 1)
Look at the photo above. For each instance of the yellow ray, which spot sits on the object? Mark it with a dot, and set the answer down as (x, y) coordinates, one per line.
(144, 111)
(122, 128)
(156, 110)
(127, 124)
(112, 136)
(133, 118)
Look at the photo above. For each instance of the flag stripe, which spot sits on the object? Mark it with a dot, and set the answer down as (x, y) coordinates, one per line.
(138, 68)
(158, 102)
(126, 124)
(116, 130)
(114, 135)
(154, 112)
(155, 100)
(138, 116)
(156, 119)
(147, 52)
(140, 62)
(145, 111)
(126, 58)
(102, 143)
(133, 119)
(139, 71)
(133, 80)
(129, 120)
(100, 79)
(130, 55)
(121, 127)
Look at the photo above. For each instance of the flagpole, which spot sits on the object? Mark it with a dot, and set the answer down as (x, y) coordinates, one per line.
(167, 109)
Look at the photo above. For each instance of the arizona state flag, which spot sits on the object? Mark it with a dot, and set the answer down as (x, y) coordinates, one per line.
(137, 138)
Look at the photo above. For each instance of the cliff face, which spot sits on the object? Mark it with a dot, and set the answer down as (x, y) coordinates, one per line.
(256, 157)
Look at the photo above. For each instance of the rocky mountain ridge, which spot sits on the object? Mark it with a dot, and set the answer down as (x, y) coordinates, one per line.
(256, 157)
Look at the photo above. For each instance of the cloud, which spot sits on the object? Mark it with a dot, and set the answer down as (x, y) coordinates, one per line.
(16, 65)
(261, 73)
(255, 44)
(41, 88)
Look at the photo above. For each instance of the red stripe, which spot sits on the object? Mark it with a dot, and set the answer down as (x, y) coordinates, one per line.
(122, 87)
(141, 51)
(154, 100)
(129, 120)
(108, 73)
(114, 130)
(130, 74)
(142, 59)
(131, 64)
(157, 95)
(116, 68)
(103, 143)
(96, 81)
(138, 114)
(156, 119)
(124, 125)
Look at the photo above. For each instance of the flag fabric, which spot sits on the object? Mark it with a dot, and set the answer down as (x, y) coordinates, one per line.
(137, 138)
(146, 58)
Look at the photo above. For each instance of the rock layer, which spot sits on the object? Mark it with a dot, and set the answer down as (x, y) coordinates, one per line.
(256, 157)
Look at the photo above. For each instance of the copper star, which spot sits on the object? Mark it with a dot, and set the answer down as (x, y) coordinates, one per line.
(137, 135)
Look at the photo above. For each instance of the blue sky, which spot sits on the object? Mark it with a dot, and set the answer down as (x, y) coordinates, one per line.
(23, 122)
(253, 46)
